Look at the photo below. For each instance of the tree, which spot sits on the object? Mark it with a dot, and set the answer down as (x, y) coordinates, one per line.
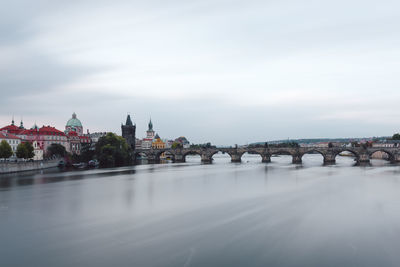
(56, 150)
(87, 152)
(176, 145)
(25, 150)
(75, 158)
(113, 150)
(396, 136)
(5, 150)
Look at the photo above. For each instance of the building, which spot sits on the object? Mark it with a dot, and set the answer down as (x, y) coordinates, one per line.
(168, 143)
(150, 134)
(11, 139)
(129, 132)
(74, 133)
(42, 138)
(94, 137)
(158, 143)
(38, 150)
(138, 143)
(75, 125)
(183, 141)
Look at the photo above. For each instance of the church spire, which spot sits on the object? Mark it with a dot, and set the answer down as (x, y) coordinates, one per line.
(13, 122)
(150, 125)
(21, 126)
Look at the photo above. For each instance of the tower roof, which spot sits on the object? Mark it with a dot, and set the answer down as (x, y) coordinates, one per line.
(128, 121)
(150, 125)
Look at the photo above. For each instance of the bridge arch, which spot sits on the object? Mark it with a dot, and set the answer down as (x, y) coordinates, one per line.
(355, 153)
(164, 151)
(314, 151)
(191, 152)
(391, 156)
(252, 154)
(220, 158)
(345, 158)
(287, 152)
(142, 155)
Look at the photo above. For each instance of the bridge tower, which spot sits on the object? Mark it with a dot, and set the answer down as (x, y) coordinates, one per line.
(129, 132)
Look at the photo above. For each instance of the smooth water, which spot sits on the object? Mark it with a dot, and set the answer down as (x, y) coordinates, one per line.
(223, 214)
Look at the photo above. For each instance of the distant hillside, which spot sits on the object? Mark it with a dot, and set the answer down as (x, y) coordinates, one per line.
(319, 140)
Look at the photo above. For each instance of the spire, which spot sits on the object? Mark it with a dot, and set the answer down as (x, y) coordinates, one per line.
(35, 127)
(150, 125)
(21, 126)
(129, 121)
(13, 122)
(74, 115)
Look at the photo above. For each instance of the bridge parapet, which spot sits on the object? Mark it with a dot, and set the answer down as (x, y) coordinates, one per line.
(329, 154)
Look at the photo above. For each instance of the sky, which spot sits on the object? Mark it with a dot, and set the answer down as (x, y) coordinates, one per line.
(226, 72)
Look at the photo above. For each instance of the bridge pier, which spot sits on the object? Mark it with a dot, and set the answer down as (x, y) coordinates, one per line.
(179, 158)
(329, 159)
(152, 159)
(396, 158)
(207, 159)
(363, 158)
(266, 158)
(236, 158)
(296, 159)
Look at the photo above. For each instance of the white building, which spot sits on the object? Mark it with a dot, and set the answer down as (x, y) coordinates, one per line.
(11, 139)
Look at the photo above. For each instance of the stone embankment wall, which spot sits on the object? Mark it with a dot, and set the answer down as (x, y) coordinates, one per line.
(10, 167)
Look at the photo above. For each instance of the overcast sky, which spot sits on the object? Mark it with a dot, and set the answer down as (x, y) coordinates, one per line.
(212, 70)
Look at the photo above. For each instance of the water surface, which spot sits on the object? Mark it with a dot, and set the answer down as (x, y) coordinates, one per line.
(223, 214)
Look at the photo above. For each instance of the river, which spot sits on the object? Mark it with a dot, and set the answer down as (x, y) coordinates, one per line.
(190, 214)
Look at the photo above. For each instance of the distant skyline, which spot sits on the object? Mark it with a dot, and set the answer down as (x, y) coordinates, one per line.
(221, 71)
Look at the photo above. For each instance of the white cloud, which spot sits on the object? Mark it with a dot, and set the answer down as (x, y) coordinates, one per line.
(324, 61)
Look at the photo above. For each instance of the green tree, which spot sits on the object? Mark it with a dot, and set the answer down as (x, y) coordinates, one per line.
(5, 150)
(176, 145)
(25, 150)
(21, 151)
(56, 150)
(87, 152)
(113, 150)
(396, 136)
(76, 158)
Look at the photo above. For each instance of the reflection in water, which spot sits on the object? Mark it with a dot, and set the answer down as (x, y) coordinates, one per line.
(190, 214)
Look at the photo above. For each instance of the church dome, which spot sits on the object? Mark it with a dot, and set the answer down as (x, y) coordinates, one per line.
(74, 122)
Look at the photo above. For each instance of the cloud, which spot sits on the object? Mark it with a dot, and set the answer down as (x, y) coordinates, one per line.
(255, 69)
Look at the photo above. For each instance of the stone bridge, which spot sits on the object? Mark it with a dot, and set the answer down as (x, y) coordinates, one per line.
(361, 154)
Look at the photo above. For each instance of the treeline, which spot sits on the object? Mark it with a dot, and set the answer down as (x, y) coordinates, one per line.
(25, 150)
(206, 145)
(279, 145)
(111, 151)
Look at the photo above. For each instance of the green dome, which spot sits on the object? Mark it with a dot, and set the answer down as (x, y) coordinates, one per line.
(74, 122)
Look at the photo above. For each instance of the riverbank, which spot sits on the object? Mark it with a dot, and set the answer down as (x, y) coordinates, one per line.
(12, 167)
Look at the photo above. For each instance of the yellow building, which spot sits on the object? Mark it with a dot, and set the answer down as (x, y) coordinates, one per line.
(158, 143)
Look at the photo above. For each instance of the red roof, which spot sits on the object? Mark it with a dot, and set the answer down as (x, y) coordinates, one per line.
(72, 133)
(11, 129)
(28, 132)
(48, 130)
(4, 135)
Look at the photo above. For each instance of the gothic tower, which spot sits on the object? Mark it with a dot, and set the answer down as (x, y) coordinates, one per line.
(129, 132)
